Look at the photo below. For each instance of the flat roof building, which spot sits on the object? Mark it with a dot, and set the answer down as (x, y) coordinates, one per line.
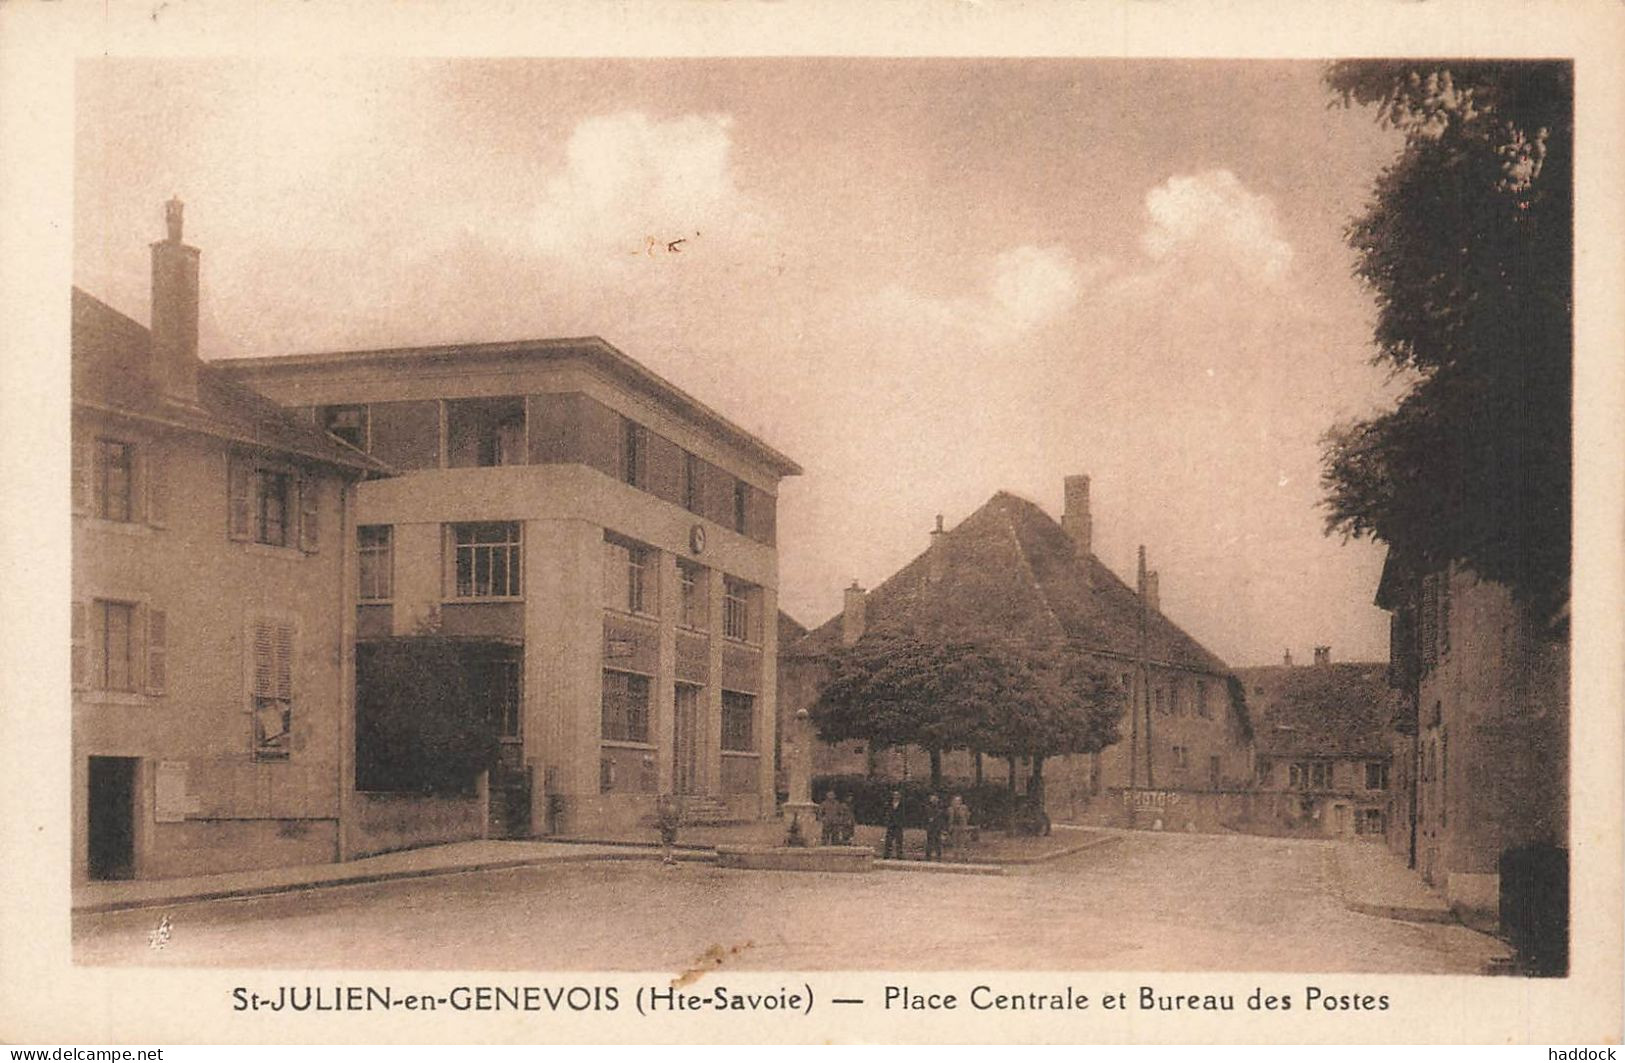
(604, 543)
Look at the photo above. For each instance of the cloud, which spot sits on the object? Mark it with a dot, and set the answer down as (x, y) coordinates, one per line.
(627, 178)
(1211, 217)
(1024, 289)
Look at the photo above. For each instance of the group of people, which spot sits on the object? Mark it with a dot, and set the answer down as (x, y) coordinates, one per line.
(951, 820)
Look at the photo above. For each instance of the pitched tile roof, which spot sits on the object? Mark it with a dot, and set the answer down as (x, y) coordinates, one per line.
(1010, 568)
(1321, 710)
(111, 353)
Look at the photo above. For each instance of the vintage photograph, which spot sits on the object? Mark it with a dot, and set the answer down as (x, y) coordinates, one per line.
(710, 514)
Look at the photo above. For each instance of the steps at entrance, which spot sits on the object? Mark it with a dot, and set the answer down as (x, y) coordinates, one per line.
(705, 810)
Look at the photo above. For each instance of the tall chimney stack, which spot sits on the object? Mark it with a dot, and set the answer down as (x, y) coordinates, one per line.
(1286, 658)
(1075, 519)
(853, 619)
(1153, 591)
(175, 309)
(934, 554)
(1323, 655)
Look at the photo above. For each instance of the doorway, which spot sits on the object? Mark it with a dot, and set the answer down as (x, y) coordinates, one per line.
(686, 744)
(112, 817)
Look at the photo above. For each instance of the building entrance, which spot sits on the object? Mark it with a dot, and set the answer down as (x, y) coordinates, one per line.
(112, 817)
(686, 746)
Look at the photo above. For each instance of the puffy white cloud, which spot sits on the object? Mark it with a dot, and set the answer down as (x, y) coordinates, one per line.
(628, 179)
(1024, 289)
(1212, 215)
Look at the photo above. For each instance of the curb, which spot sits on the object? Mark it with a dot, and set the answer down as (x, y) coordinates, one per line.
(367, 878)
(937, 868)
(1399, 912)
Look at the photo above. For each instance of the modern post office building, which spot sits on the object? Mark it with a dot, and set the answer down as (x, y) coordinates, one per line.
(602, 541)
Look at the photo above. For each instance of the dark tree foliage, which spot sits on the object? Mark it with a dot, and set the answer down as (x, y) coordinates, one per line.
(1467, 245)
(895, 688)
(419, 725)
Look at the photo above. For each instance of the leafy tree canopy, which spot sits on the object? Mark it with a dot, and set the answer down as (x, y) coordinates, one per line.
(420, 723)
(1467, 246)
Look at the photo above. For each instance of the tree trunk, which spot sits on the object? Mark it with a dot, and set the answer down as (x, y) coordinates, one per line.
(978, 769)
(1011, 776)
(936, 769)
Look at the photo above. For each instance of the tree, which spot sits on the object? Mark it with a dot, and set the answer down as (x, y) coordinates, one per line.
(420, 725)
(896, 688)
(1467, 245)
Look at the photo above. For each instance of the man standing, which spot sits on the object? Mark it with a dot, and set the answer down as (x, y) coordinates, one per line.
(935, 820)
(829, 814)
(958, 826)
(894, 827)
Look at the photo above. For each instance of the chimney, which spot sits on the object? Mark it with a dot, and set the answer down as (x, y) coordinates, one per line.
(852, 614)
(1323, 655)
(1075, 519)
(174, 310)
(1153, 596)
(934, 555)
(1286, 658)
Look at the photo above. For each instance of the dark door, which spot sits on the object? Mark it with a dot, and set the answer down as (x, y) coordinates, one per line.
(686, 748)
(112, 817)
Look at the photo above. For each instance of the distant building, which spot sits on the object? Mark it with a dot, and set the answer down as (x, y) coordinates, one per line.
(603, 543)
(1010, 569)
(1321, 747)
(213, 603)
(1484, 729)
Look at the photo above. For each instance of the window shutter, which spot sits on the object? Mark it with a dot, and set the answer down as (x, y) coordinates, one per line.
(79, 633)
(284, 661)
(264, 683)
(239, 498)
(157, 658)
(157, 476)
(309, 513)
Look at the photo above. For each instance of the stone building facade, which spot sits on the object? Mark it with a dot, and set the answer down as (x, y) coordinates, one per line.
(212, 603)
(603, 543)
(1483, 731)
(1011, 569)
(1323, 764)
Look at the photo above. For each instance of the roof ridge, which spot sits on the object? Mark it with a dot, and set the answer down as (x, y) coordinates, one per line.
(1027, 569)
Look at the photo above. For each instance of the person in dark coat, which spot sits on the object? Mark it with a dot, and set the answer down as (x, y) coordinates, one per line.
(936, 818)
(894, 827)
(846, 821)
(829, 814)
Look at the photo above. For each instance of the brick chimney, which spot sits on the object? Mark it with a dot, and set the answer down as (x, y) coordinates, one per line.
(174, 310)
(852, 614)
(934, 556)
(1075, 520)
(1286, 658)
(1323, 655)
(1153, 591)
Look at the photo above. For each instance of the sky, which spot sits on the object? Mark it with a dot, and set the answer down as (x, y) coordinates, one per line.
(924, 280)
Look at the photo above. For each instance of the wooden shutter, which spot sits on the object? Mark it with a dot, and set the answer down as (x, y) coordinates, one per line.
(309, 513)
(264, 662)
(283, 661)
(239, 498)
(157, 656)
(156, 470)
(79, 634)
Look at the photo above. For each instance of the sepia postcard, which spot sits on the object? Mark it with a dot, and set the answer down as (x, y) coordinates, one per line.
(648, 523)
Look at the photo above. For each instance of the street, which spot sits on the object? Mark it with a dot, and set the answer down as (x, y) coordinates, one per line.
(1139, 902)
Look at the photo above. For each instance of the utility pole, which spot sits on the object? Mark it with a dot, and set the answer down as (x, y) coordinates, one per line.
(1136, 692)
(1145, 667)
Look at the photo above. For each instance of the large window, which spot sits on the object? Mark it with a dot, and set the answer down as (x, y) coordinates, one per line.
(626, 707)
(494, 678)
(1310, 775)
(272, 689)
(693, 602)
(738, 722)
(377, 562)
(1203, 708)
(486, 560)
(629, 577)
(737, 601)
(1376, 775)
(485, 432)
(115, 480)
(120, 647)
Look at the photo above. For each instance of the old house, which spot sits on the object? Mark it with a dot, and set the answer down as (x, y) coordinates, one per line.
(1321, 747)
(1011, 569)
(1483, 732)
(604, 545)
(213, 603)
